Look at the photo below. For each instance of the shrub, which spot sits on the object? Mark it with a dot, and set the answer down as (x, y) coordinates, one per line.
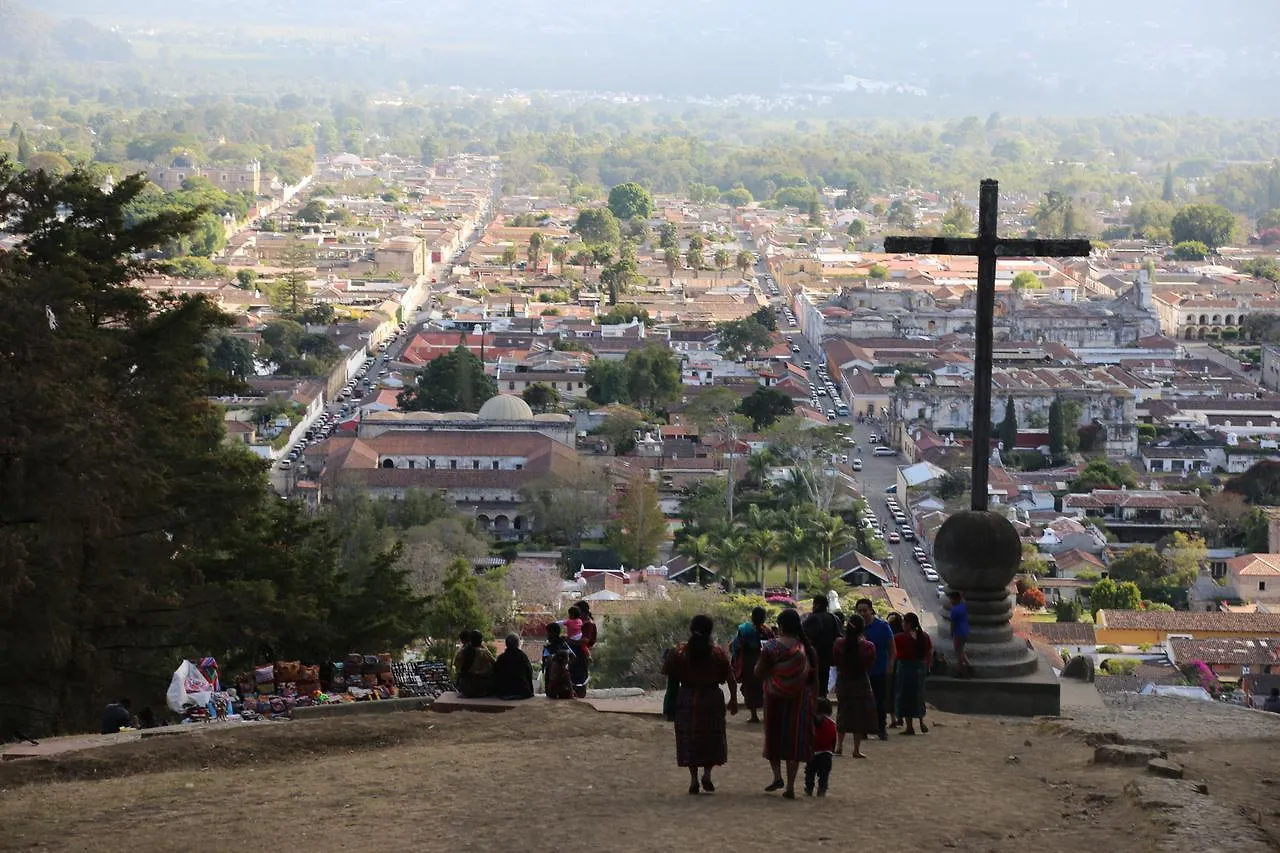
(1108, 650)
(631, 647)
(1067, 610)
(1032, 598)
(1119, 666)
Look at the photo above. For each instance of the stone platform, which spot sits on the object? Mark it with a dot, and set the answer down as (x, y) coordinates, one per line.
(1035, 694)
(348, 709)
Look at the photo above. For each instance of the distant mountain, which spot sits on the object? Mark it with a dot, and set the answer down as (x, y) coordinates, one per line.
(27, 35)
(980, 56)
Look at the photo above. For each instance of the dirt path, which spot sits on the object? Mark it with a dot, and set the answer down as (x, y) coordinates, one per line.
(564, 777)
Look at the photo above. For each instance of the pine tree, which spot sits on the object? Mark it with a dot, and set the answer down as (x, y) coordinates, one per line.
(1057, 431)
(14, 130)
(24, 148)
(1009, 426)
(639, 526)
(1167, 194)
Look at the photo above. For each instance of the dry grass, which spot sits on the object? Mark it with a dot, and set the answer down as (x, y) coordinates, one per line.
(563, 777)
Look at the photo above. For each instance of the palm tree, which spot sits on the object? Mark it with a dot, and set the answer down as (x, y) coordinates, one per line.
(694, 257)
(558, 253)
(509, 256)
(535, 250)
(745, 262)
(730, 556)
(831, 533)
(796, 548)
(762, 545)
(722, 261)
(795, 490)
(758, 465)
(697, 550)
(671, 257)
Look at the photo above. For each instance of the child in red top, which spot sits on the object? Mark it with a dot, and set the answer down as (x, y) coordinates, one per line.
(824, 743)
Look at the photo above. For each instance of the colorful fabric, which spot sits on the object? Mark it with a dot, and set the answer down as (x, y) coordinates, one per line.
(700, 727)
(909, 688)
(209, 668)
(856, 704)
(788, 669)
(789, 695)
(556, 662)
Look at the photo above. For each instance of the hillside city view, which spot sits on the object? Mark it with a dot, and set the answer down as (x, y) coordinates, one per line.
(362, 364)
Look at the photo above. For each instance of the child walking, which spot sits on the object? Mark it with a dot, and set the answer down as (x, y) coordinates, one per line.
(818, 768)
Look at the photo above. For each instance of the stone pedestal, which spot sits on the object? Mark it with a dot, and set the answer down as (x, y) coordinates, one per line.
(978, 554)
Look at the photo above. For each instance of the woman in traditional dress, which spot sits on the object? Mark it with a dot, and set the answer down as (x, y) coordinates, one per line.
(913, 650)
(788, 668)
(751, 635)
(701, 667)
(474, 666)
(895, 622)
(854, 656)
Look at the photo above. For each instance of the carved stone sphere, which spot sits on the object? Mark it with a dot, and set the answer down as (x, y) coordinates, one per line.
(977, 550)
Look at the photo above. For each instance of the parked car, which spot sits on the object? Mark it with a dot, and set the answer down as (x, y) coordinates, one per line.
(894, 538)
(886, 451)
(857, 465)
(930, 575)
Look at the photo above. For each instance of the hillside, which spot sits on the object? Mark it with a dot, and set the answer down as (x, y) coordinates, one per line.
(29, 36)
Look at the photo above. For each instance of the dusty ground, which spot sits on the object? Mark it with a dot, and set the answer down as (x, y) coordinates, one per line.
(564, 777)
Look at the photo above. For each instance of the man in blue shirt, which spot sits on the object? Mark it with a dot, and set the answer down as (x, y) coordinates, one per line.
(880, 634)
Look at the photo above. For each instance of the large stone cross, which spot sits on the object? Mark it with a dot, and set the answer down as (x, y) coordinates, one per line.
(987, 246)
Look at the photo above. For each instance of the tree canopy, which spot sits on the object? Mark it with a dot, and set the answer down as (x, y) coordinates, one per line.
(631, 201)
(454, 382)
(597, 226)
(1210, 224)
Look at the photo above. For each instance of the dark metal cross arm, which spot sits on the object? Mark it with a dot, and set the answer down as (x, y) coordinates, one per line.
(974, 246)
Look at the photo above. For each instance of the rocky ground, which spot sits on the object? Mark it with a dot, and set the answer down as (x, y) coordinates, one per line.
(560, 776)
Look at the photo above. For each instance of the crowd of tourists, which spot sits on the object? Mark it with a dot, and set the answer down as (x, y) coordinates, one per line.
(876, 667)
(566, 661)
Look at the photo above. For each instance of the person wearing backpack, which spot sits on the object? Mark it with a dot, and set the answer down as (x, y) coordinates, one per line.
(823, 629)
(744, 651)
(788, 667)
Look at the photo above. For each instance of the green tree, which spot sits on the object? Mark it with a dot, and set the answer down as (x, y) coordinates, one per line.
(607, 382)
(1067, 610)
(1260, 485)
(697, 550)
(1269, 220)
(1128, 597)
(597, 226)
(1103, 596)
(559, 252)
(509, 257)
(1057, 430)
(737, 197)
(541, 397)
(246, 279)
(1072, 411)
(879, 272)
(1183, 557)
(297, 258)
(457, 607)
(744, 261)
(958, 220)
(1101, 474)
(1190, 250)
(1009, 426)
(1141, 564)
(536, 241)
(722, 259)
(454, 382)
(694, 256)
(1152, 220)
(1026, 280)
(729, 556)
(669, 236)
(653, 375)
(671, 258)
(902, 215)
(765, 406)
(313, 211)
(857, 229)
(766, 318)
(638, 527)
(231, 356)
(24, 148)
(630, 201)
(1210, 224)
(716, 411)
(743, 338)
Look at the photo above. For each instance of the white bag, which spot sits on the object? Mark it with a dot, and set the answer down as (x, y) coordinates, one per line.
(188, 687)
(831, 681)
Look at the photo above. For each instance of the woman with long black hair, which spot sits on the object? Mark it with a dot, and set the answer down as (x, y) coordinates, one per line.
(788, 666)
(701, 667)
(913, 650)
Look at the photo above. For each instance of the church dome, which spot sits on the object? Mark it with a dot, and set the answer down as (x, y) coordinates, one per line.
(184, 161)
(505, 407)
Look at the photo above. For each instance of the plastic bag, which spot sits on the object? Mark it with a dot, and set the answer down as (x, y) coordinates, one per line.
(188, 687)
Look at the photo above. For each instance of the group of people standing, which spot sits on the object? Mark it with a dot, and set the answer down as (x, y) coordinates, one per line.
(785, 674)
(566, 661)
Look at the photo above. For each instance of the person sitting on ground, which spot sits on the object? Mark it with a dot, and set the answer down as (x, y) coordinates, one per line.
(512, 672)
(474, 664)
(557, 658)
(1272, 702)
(116, 716)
